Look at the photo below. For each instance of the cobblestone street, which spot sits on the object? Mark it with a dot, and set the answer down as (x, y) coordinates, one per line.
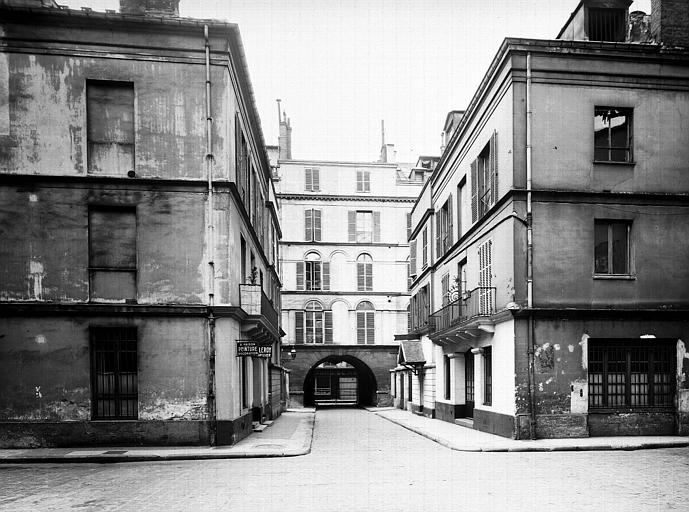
(359, 462)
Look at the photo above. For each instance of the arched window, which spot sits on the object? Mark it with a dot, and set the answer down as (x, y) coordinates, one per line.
(313, 325)
(364, 273)
(365, 326)
(312, 274)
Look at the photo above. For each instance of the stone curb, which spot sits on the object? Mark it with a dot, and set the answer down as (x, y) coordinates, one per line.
(532, 448)
(152, 457)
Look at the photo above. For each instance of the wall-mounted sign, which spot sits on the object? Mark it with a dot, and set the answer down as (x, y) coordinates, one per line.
(254, 349)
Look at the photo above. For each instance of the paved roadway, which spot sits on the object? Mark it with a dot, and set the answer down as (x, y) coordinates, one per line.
(361, 462)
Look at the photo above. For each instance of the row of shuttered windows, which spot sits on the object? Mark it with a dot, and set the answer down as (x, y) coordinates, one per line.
(315, 325)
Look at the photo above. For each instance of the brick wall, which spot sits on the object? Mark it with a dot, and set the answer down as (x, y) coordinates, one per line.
(670, 22)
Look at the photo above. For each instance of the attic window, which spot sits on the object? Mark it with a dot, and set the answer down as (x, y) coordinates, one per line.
(606, 25)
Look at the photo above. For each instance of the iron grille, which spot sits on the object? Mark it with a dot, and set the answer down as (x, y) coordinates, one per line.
(606, 25)
(624, 375)
(115, 378)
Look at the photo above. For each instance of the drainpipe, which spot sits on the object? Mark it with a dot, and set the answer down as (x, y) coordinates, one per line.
(529, 258)
(212, 409)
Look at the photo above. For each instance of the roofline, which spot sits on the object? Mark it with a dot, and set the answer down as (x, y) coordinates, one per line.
(569, 20)
(541, 45)
(341, 162)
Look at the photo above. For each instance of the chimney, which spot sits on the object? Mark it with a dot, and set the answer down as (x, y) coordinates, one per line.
(639, 28)
(285, 139)
(150, 7)
(670, 22)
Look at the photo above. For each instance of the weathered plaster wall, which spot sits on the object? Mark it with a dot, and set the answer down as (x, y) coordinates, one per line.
(564, 239)
(53, 353)
(47, 112)
(44, 256)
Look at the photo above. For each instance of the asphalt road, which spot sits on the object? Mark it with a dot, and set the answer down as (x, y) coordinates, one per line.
(361, 462)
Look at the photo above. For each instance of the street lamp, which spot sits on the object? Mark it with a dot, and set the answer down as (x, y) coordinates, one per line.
(293, 353)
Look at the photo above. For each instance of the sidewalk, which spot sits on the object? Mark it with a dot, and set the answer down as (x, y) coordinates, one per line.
(466, 439)
(289, 435)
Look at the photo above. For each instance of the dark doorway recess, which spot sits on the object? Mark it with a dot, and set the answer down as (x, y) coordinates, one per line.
(331, 381)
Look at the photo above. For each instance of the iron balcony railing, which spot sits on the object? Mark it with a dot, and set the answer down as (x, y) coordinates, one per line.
(478, 302)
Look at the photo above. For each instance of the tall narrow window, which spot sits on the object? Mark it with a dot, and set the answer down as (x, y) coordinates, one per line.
(424, 248)
(112, 254)
(487, 376)
(460, 192)
(312, 225)
(484, 179)
(611, 253)
(245, 383)
(485, 278)
(444, 228)
(412, 258)
(114, 373)
(242, 162)
(363, 181)
(445, 289)
(364, 273)
(244, 277)
(408, 226)
(448, 380)
(365, 326)
(313, 325)
(110, 127)
(312, 179)
(612, 134)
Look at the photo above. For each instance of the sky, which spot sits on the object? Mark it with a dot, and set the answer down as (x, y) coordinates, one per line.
(342, 66)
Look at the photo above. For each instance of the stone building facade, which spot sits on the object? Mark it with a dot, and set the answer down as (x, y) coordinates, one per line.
(344, 257)
(140, 231)
(552, 295)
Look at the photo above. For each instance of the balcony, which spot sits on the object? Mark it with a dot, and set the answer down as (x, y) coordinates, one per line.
(464, 316)
(262, 321)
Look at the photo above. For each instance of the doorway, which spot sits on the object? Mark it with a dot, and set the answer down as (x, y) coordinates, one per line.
(469, 384)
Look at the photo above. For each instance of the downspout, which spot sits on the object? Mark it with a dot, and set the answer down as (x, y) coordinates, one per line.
(529, 258)
(212, 409)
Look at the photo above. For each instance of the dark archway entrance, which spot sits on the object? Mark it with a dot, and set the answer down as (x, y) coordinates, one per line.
(340, 379)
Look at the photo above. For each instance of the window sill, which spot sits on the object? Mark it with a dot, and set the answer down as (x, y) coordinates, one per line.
(618, 277)
(613, 162)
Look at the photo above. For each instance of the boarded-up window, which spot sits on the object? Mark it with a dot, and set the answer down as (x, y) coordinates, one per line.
(112, 254)
(110, 122)
(114, 373)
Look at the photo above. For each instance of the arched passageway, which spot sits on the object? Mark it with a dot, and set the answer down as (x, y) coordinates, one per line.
(340, 379)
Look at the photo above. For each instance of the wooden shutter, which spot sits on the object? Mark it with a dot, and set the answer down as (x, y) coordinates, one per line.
(328, 315)
(238, 155)
(438, 234)
(376, 226)
(316, 179)
(408, 226)
(317, 225)
(326, 275)
(370, 326)
(359, 182)
(360, 283)
(474, 191)
(315, 275)
(367, 181)
(360, 328)
(425, 247)
(493, 168)
(450, 223)
(351, 218)
(412, 257)
(308, 177)
(368, 276)
(308, 225)
(299, 327)
(300, 275)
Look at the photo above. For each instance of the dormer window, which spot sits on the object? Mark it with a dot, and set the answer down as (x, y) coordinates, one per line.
(607, 25)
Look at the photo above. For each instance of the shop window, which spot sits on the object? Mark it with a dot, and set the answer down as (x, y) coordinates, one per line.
(487, 376)
(625, 374)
